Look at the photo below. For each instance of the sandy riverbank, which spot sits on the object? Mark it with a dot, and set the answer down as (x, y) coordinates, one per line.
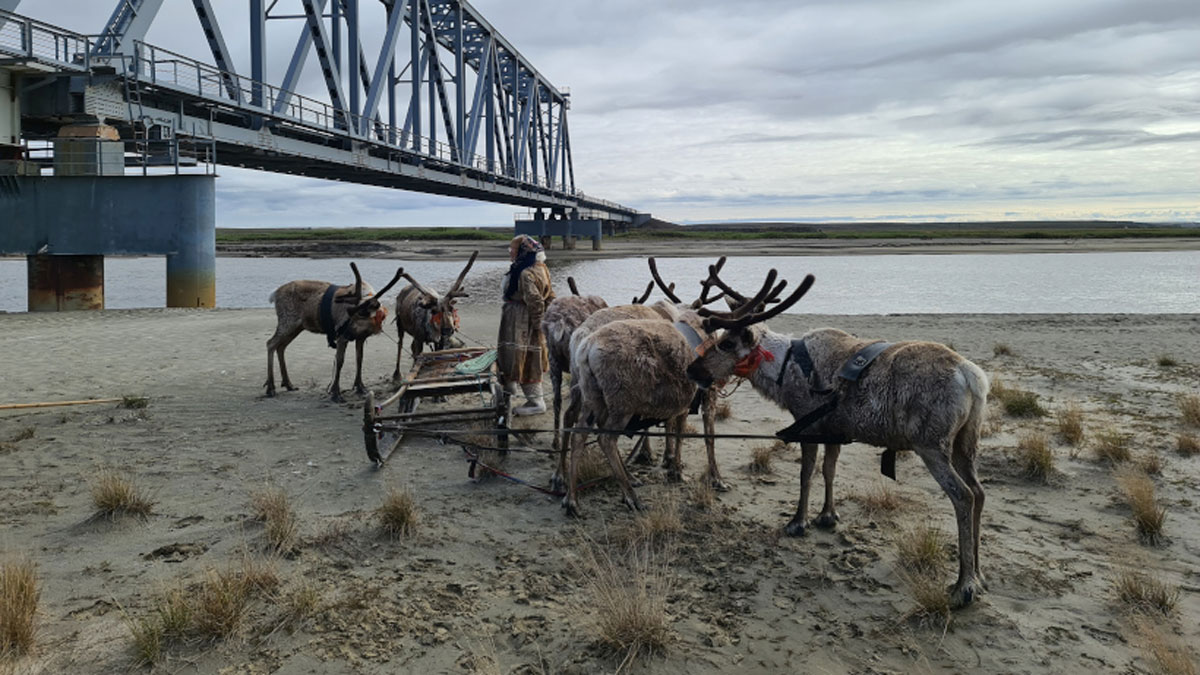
(493, 569)
(684, 248)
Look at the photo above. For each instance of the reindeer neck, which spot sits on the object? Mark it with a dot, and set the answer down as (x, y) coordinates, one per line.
(766, 378)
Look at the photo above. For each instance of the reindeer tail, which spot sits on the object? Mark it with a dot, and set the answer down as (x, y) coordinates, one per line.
(978, 386)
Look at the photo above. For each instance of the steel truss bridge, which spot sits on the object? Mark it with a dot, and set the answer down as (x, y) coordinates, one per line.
(456, 111)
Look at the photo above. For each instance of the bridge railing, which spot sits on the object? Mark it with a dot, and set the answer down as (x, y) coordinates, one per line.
(164, 68)
(27, 38)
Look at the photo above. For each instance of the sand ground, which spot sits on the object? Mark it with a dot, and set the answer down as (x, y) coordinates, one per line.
(492, 580)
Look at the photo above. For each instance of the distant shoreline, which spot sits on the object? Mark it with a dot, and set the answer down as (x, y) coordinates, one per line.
(621, 247)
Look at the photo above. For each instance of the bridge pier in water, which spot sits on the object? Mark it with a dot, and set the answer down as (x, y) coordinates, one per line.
(89, 208)
(569, 227)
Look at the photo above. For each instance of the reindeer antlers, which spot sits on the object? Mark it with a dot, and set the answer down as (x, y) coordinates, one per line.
(455, 290)
(645, 296)
(572, 286)
(745, 315)
(668, 290)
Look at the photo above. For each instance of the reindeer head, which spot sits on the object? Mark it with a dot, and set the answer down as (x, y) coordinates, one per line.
(732, 346)
(364, 313)
(443, 314)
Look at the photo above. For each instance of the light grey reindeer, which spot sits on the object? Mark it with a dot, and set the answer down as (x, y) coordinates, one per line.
(563, 315)
(912, 395)
(342, 313)
(658, 311)
(633, 368)
(429, 317)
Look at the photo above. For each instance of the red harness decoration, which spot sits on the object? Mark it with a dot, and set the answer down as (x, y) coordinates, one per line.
(751, 361)
(436, 319)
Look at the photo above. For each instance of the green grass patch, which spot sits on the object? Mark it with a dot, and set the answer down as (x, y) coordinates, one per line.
(237, 236)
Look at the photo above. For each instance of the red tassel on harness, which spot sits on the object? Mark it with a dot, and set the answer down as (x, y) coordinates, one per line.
(379, 317)
(751, 361)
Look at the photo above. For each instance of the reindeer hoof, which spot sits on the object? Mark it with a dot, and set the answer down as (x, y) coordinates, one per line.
(827, 521)
(635, 504)
(572, 508)
(336, 397)
(674, 476)
(360, 390)
(717, 484)
(557, 484)
(963, 594)
(271, 392)
(289, 386)
(795, 528)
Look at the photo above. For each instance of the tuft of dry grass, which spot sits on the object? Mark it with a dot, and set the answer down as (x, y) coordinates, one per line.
(1139, 494)
(1151, 462)
(1001, 349)
(116, 494)
(760, 460)
(879, 500)
(1187, 444)
(18, 606)
(24, 434)
(1170, 655)
(398, 515)
(300, 602)
(221, 602)
(1189, 408)
(134, 402)
(1069, 419)
(659, 524)
(1112, 446)
(922, 548)
(1035, 457)
(1143, 593)
(928, 591)
(702, 494)
(273, 509)
(591, 465)
(629, 599)
(174, 612)
(148, 639)
(1167, 361)
(724, 411)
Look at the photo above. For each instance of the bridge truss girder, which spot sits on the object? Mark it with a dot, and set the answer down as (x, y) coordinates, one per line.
(471, 97)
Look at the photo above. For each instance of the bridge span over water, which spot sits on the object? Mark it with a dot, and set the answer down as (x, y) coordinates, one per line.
(440, 103)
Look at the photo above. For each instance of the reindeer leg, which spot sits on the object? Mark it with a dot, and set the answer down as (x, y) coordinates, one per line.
(709, 414)
(608, 443)
(829, 516)
(674, 429)
(570, 417)
(963, 459)
(358, 359)
(276, 345)
(640, 452)
(556, 377)
(335, 389)
(808, 462)
(937, 460)
(570, 500)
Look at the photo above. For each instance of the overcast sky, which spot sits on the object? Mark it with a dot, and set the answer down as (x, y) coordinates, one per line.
(701, 110)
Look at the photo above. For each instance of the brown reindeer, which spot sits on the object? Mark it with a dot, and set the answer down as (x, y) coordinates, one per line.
(429, 317)
(921, 396)
(563, 315)
(627, 369)
(342, 313)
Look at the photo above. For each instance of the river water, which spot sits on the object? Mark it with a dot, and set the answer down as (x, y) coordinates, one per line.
(1142, 282)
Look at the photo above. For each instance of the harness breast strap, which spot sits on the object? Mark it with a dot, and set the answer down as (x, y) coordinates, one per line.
(689, 333)
(325, 314)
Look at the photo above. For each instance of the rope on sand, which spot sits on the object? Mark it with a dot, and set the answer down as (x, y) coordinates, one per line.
(51, 404)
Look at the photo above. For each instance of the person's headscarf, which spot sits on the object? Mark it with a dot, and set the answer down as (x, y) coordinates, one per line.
(529, 251)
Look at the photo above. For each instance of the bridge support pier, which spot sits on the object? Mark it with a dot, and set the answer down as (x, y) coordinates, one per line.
(192, 268)
(60, 283)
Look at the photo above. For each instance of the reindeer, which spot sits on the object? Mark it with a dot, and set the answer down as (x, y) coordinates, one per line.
(429, 317)
(921, 396)
(342, 313)
(563, 315)
(628, 368)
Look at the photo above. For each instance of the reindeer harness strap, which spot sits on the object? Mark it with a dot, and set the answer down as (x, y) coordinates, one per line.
(326, 315)
(851, 371)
